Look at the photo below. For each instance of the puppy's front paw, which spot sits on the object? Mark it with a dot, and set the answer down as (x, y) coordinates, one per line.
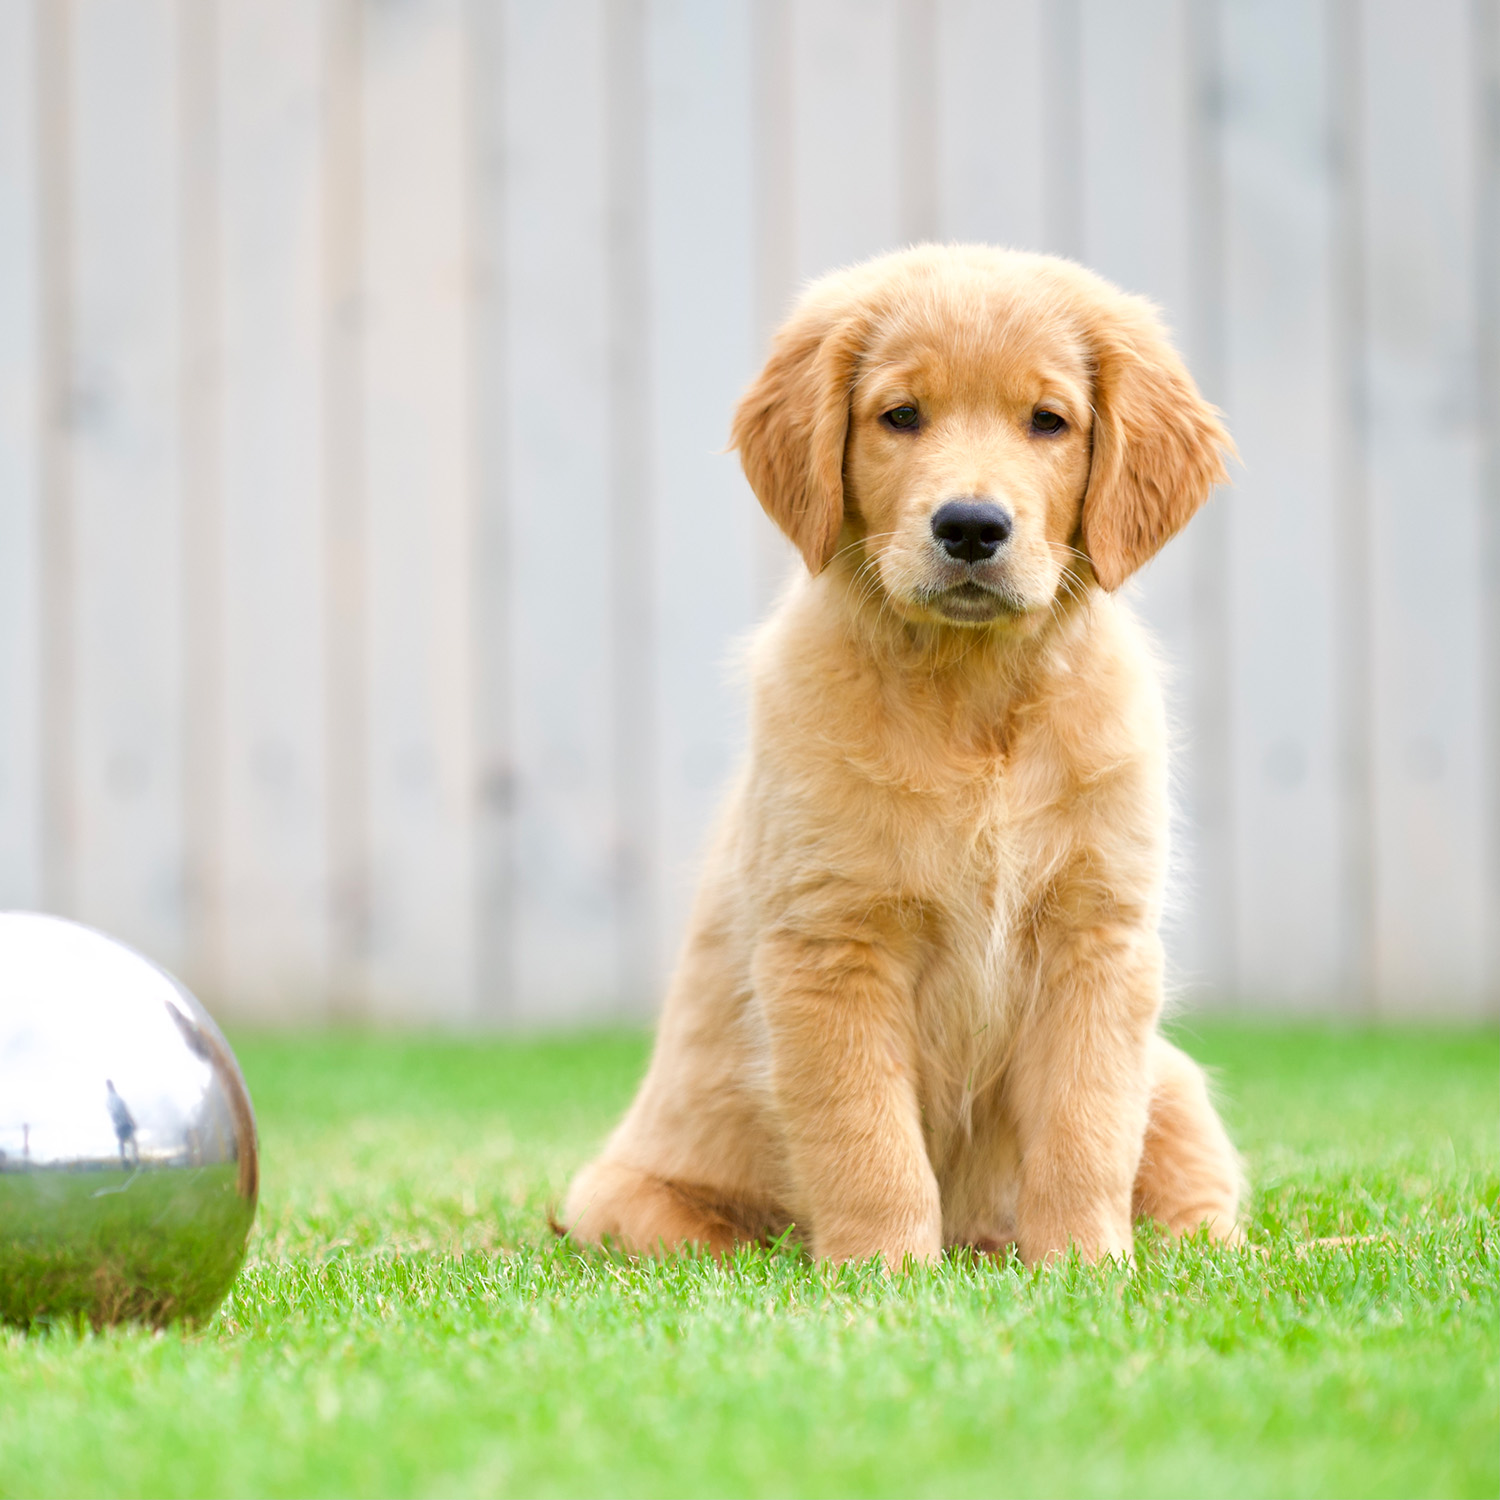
(1041, 1241)
(897, 1245)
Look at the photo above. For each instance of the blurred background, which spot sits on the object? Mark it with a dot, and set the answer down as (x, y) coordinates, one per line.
(370, 575)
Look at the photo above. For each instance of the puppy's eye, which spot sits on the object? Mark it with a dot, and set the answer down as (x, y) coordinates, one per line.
(1045, 421)
(904, 418)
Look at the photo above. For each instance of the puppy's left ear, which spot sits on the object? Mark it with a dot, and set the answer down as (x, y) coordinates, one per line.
(1158, 446)
(791, 425)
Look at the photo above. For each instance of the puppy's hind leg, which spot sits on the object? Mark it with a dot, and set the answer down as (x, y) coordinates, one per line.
(1190, 1174)
(611, 1203)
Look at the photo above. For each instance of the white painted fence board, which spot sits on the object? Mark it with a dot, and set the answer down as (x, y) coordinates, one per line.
(631, 540)
(1060, 60)
(1137, 194)
(495, 871)
(21, 413)
(1431, 788)
(199, 472)
(918, 187)
(773, 246)
(557, 416)
(992, 147)
(1205, 696)
(1485, 78)
(273, 748)
(126, 449)
(417, 472)
(1137, 113)
(1281, 392)
(703, 353)
(846, 115)
(344, 584)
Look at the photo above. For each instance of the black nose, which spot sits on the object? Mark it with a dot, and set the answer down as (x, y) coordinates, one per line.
(971, 530)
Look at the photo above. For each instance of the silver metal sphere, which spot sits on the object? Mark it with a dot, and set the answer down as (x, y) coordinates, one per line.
(128, 1161)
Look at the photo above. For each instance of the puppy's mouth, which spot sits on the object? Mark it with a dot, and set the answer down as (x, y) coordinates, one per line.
(971, 602)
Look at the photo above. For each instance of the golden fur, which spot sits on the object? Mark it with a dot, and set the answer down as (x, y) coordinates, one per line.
(918, 1001)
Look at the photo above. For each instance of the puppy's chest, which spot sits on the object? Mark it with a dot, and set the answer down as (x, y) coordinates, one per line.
(973, 834)
(992, 848)
(979, 938)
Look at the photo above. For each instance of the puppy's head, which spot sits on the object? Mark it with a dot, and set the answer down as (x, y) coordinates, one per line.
(976, 430)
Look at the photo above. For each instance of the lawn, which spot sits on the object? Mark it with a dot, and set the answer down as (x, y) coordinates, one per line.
(407, 1325)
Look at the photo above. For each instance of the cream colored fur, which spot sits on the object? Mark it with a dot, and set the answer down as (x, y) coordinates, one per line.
(918, 1001)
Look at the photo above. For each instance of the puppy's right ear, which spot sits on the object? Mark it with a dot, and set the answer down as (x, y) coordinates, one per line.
(791, 425)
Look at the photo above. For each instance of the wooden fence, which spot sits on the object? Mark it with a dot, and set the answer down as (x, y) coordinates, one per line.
(369, 570)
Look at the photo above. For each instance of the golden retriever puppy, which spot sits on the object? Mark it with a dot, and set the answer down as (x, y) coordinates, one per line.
(918, 1002)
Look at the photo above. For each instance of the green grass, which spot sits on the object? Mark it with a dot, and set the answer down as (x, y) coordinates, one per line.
(406, 1325)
